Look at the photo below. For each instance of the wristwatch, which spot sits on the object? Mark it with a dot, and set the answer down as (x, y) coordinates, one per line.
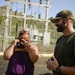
(58, 69)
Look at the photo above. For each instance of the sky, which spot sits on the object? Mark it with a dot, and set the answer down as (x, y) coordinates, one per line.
(56, 6)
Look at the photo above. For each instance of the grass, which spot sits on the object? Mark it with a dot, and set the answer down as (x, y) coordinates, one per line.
(45, 49)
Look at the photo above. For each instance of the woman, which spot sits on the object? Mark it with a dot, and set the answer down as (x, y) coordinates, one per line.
(21, 55)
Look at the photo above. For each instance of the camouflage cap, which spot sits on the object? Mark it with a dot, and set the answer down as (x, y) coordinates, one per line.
(63, 14)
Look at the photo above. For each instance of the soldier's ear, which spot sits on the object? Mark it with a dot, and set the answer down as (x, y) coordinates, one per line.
(67, 18)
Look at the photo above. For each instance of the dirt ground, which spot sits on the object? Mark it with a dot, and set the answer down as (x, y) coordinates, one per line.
(40, 66)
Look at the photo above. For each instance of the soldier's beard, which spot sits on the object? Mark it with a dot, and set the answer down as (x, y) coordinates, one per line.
(61, 27)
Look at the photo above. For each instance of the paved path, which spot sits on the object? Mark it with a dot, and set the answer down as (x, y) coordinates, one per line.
(1, 53)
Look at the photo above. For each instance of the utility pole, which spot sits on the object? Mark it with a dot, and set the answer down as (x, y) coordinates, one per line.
(5, 33)
(46, 16)
(25, 8)
(10, 22)
(46, 35)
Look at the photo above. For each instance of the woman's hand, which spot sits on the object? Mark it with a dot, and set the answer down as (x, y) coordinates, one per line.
(25, 43)
(15, 42)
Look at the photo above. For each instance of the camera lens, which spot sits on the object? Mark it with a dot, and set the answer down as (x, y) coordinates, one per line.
(19, 45)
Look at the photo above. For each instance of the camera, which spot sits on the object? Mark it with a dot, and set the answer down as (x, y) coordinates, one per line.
(19, 45)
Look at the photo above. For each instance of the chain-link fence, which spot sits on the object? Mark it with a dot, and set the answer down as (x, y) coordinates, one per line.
(42, 48)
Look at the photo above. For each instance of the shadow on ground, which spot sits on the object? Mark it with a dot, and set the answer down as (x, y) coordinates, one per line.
(46, 74)
(40, 66)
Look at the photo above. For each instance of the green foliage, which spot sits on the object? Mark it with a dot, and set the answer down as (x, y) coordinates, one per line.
(74, 25)
(2, 19)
